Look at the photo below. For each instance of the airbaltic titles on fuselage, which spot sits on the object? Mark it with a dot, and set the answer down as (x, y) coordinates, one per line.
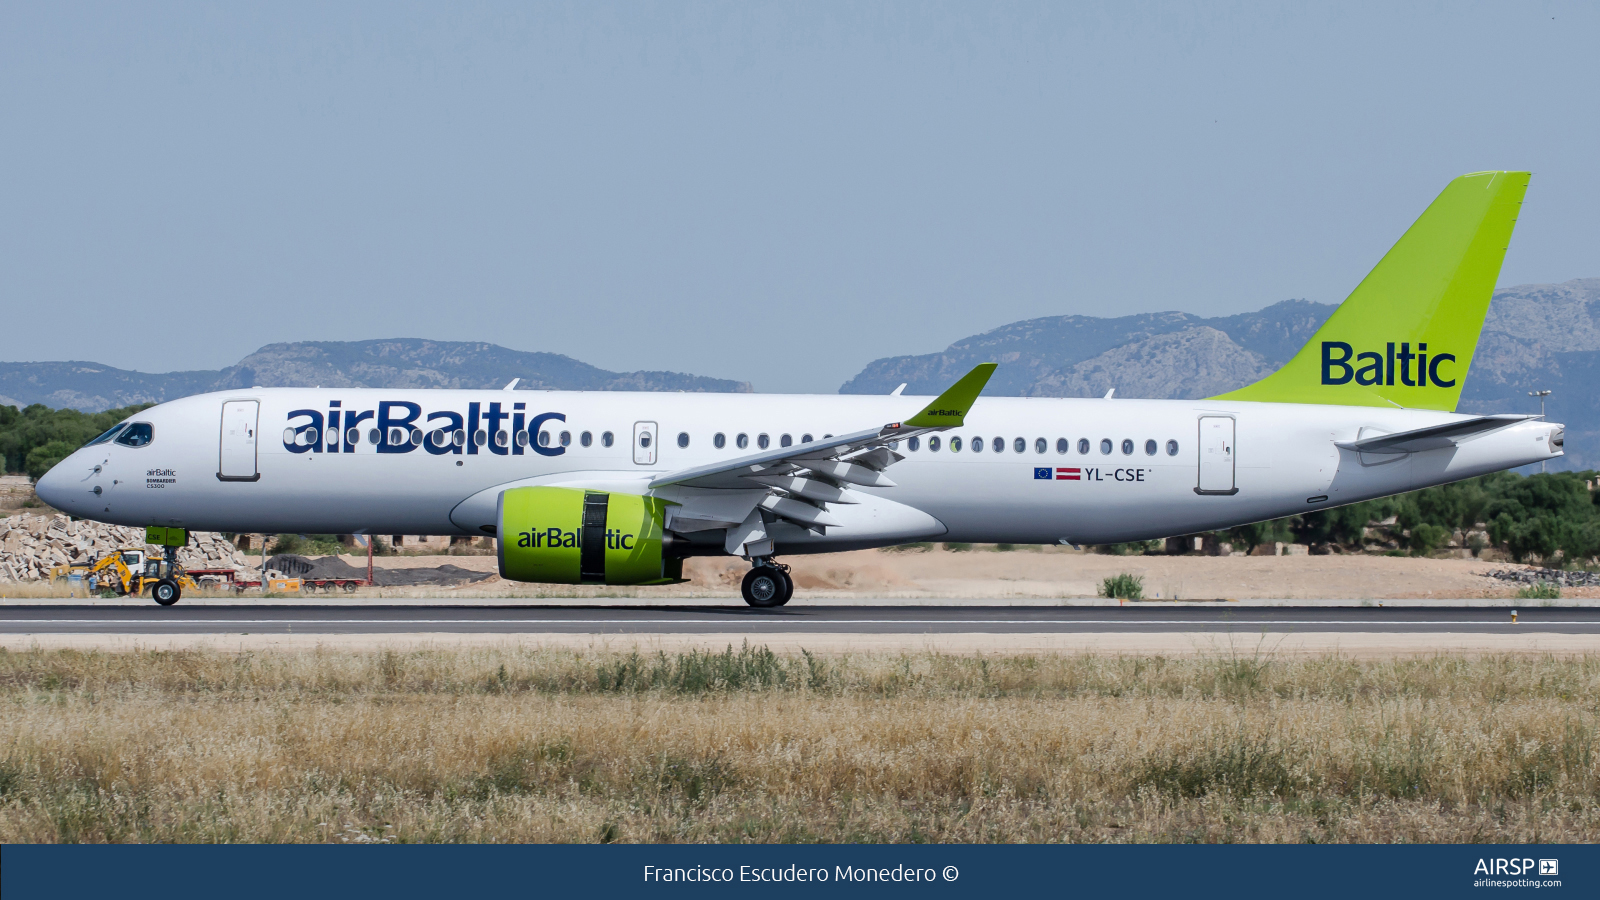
(399, 426)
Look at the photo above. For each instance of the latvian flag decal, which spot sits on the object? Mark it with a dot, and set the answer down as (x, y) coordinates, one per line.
(1043, 474)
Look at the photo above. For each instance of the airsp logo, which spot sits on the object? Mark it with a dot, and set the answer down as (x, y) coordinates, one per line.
(1501, 866)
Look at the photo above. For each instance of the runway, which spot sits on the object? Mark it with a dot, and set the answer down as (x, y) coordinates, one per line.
(863, 620)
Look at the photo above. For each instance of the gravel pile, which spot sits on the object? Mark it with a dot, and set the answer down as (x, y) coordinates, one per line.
(1562, 577)
(333, 567)
(31, 545)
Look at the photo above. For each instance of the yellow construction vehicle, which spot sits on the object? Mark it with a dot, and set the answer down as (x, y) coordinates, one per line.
(129, 572)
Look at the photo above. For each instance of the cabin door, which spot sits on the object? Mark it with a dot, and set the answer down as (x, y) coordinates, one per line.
(238, 457)
(1216, 455)
(645, 439)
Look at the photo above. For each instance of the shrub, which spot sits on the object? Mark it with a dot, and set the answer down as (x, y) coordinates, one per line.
(1426, 538)
(1125, 586)
(1540, 590)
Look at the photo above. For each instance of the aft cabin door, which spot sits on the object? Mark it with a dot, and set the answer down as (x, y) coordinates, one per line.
(645, 438)
(239, 441)
(1216, 455)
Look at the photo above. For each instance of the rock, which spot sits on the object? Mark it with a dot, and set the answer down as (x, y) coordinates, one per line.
(30, 545)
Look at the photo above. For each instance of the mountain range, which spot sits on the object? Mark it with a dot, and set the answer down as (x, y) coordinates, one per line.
(395, 363)
(1535, 337)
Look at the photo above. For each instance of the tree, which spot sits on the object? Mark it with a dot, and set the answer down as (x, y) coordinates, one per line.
(41, 459)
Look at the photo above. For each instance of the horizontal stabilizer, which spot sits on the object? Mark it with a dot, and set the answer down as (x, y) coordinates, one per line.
(1434, 437)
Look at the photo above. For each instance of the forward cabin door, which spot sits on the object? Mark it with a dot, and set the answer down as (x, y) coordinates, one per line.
(645, 438)
(1216, 455)
(238, 456)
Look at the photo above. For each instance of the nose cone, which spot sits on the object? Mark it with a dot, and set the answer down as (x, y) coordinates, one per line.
(56, 487)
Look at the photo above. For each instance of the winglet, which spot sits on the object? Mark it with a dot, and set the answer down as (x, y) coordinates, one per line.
(949, 409)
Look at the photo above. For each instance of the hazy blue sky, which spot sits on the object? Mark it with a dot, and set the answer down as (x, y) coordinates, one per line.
(775, 193)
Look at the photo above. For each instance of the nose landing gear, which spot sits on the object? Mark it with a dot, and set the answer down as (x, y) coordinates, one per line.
(767, 585)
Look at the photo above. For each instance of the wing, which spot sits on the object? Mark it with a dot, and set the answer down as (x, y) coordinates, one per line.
(800, 482)
(1433, 437)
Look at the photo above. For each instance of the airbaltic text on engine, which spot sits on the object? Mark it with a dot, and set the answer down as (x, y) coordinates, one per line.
(555, 537)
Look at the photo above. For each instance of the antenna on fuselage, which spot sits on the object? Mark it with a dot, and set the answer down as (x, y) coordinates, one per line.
(512, 385)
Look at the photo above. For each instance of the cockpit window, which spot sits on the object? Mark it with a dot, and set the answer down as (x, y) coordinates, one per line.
(136, 435)
(108, 435)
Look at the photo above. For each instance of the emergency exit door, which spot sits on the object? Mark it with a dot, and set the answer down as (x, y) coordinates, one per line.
(239, 433)
(645, 439)
(1217, 454)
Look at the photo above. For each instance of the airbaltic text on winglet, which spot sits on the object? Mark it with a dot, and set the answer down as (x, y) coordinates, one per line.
(1374, 368)
(941, 412)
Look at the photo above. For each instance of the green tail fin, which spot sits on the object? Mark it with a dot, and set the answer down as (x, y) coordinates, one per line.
(1406, 335)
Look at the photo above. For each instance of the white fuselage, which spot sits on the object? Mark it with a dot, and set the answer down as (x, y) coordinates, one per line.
(1282, 460)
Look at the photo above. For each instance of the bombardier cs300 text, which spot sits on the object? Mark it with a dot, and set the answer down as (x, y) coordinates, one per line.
(618, 488)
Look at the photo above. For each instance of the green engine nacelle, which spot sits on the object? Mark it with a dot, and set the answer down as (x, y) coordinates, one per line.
(569, 536)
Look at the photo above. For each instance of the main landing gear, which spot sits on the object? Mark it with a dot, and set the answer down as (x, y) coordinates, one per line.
(767, 585)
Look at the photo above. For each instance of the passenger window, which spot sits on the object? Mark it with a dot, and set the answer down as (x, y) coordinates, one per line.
(566, 439)
(1149, 448)
(1039, 445)
(719, 440)
(955, 445)
(977, 444)
(805, 438)
(1019, 445)
(1172, 448)
(1127, 447)
(914, 444)
(1063, 445)
(501, 438)
(999, 445)
(683, 439)
(933, 444)
(607, 439)
(644, 438)
(459, 438)
(1105, 445)
(763, 441)
(544, 438)
(376, 437)
(585, 439)
(1083, 445)
(479, 437)
(786, 441)
(742, 441)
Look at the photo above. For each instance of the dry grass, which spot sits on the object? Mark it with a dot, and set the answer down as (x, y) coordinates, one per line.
(541, 745)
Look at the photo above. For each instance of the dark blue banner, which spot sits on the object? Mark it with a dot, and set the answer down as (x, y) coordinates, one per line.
(248, 872)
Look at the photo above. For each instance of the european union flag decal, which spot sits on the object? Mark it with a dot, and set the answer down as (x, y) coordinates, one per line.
(1041, 474)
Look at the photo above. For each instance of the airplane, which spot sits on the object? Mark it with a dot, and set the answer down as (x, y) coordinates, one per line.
(618, 488)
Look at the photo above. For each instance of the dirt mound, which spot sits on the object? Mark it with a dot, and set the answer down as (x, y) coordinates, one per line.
(332, 567)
